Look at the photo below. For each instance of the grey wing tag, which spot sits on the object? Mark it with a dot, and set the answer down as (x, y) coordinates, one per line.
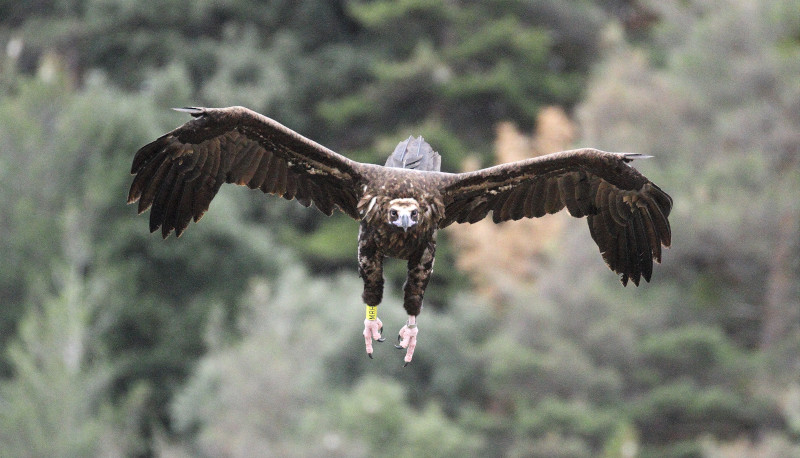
(415, 153)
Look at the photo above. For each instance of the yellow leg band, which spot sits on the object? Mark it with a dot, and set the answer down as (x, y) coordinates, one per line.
(372, 312)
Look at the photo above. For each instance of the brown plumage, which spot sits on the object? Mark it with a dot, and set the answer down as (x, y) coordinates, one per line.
(178, 175)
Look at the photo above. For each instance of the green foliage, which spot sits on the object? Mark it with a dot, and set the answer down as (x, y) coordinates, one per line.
(70, 175)
(272, 377)
(376, 414)
(694, 351)
(676, 411)
(58, 400)
(467, 65)
(623, 443)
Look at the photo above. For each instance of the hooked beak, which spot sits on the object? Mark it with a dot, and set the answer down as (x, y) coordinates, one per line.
(405, 222)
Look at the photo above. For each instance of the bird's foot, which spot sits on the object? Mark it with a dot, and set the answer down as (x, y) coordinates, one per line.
(372, 330)
(407, 339)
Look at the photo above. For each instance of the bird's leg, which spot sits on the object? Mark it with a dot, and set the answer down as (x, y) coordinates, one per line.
(407, 338)
(419, 272)
(372, 330)
(370, 269)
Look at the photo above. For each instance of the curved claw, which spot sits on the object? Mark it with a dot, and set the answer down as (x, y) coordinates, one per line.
(382, 339)
(372, 330)
(407, 340)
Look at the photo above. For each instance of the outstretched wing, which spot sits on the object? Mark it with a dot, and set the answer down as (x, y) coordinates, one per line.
(627, 213)
(178, 174)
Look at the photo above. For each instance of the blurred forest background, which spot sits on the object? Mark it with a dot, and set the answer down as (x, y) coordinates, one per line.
(243, 338)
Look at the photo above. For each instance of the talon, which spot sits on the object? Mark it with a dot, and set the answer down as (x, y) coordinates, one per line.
(370, 333)
(407, 363)
(381, 339)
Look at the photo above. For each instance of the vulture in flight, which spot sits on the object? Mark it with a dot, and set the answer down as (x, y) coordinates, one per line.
(402, 204)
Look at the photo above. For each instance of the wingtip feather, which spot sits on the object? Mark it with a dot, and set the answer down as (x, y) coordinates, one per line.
(194, 111)
(629, 157)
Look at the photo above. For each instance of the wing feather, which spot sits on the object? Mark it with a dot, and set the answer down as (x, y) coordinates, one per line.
(303, 196)
(514, 208)
(261, 170)
(151, 188)
(645, 252)
(291, 186)
(627, 214)
(208, 183)
(279, 187)
(617, 209)
(268, 186)
(184, 209)
(171, 205)
(566, 187)
(177, 175)
(605, 238)
(553, 202)
(583, 195)
(478, 212)
(653, 241)
(660, 221)
(610, 225)
(244, 169)
(626, 254)
(539, 198)
(192, 174)
(321, 199)
(145, 156)
(498, 207)
(460, 206)
(210, 179)
(601, 194)
(530, 199)
(159, 201)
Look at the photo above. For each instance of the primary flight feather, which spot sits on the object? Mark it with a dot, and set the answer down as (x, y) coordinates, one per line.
(401, 205)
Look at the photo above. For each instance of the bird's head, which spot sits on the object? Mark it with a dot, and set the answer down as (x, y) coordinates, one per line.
(403, 213)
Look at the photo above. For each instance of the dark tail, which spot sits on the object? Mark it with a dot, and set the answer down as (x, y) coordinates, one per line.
(415, 153)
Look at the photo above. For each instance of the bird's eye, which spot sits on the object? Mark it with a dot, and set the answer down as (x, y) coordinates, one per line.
(393, 213)
(414, 213)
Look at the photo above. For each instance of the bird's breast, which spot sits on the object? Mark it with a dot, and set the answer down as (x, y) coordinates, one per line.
(393, 242)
